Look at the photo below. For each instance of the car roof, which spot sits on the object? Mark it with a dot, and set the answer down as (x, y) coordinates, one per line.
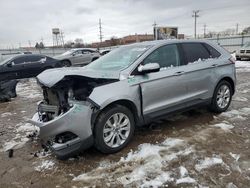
(29, 55)
(83, 49)
(167, 41)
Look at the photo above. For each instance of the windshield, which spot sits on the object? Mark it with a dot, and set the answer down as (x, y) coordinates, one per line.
(119, 58)
(68, 52)
(5, 61)
(247, 44)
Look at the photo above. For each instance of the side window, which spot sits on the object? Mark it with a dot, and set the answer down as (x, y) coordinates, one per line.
(165, 56)
(78, 52)
(213, 53)
(195, 51)
(34, 58)
(86, 52)
(19, 60)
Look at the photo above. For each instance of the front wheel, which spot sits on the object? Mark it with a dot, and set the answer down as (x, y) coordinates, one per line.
(114, 128)
(222, 97)
(66, 63)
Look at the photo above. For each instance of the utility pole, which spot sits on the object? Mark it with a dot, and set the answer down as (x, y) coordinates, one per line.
(237, 27)
(205, 26)
(29, 43)
(100, 30)
(62, 38)
(154, 30)
(195, 15)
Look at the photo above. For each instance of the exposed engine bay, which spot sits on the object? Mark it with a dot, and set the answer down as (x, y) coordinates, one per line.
(71, 88)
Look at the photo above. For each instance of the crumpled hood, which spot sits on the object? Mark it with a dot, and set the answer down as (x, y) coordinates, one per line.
(51, 77)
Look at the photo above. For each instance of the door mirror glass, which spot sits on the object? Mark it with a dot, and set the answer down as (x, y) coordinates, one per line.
(150, 67)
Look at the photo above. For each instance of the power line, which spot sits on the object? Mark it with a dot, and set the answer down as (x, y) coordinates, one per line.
(195, 15)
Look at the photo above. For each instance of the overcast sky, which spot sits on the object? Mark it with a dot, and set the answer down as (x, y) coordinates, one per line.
(21, 21)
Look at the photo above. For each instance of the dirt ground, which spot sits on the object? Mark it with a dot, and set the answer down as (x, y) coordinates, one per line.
(192, 149)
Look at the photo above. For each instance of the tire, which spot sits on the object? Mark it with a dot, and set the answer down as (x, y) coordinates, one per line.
(221, 98)
(66, 63)
(113, 145)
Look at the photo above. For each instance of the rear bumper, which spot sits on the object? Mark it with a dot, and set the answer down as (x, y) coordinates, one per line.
(76, 121)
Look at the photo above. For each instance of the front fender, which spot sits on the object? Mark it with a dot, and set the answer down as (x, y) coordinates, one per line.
(104, 95)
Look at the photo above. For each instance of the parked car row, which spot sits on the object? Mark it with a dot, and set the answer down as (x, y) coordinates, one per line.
(100, 104)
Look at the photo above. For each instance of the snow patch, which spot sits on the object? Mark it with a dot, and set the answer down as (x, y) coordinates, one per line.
(144, 167)
(240, 99)
(6, 114)
(224, 126)
(241, 114)
(208, 162)
(28, 89)
(185, 180)
(22, 131)
(242, 66)
(235, 156)
(45, 165)
(183, 171)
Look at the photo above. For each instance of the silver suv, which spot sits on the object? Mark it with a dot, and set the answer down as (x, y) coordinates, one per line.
(101, 104)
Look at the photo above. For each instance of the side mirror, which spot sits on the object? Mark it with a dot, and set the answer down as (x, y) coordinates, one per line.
(150, 67)
(9, 64)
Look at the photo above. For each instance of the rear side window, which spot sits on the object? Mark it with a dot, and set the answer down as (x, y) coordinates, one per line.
(194, 52)
(213, 53)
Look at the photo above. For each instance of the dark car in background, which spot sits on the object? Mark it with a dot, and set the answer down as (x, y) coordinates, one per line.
(26, 66)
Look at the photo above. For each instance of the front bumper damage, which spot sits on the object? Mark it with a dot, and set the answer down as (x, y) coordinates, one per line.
(69, 133)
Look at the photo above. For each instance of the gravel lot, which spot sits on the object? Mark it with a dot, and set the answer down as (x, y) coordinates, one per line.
(192, 149)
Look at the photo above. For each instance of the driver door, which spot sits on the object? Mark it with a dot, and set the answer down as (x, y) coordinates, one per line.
(163, 91)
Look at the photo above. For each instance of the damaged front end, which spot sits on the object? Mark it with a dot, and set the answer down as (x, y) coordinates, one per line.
(65, 114)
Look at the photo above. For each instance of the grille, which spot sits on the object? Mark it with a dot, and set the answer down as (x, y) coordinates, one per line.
(248, 51)
(242, 51)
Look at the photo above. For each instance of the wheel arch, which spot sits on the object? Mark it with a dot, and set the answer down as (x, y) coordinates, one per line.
(66, 60)
(229, 80)
(123, 102)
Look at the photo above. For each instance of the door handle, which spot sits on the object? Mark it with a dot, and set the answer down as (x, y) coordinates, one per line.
(215, 65)
(178, 73)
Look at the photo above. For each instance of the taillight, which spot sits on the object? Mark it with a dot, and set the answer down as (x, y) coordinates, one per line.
(232, 60)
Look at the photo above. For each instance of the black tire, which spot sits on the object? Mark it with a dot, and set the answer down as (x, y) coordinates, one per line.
(104, 116)
(66, 63)
(214, 107)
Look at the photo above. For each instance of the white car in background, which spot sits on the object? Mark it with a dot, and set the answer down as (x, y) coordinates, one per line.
(243, 52)
(78, 56)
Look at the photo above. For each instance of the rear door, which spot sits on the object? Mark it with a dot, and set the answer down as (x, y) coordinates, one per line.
(163, 91)
(199, 71)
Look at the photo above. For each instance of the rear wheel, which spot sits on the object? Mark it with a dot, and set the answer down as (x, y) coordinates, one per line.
(66, 63)
(114, 128)
(222, 97)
